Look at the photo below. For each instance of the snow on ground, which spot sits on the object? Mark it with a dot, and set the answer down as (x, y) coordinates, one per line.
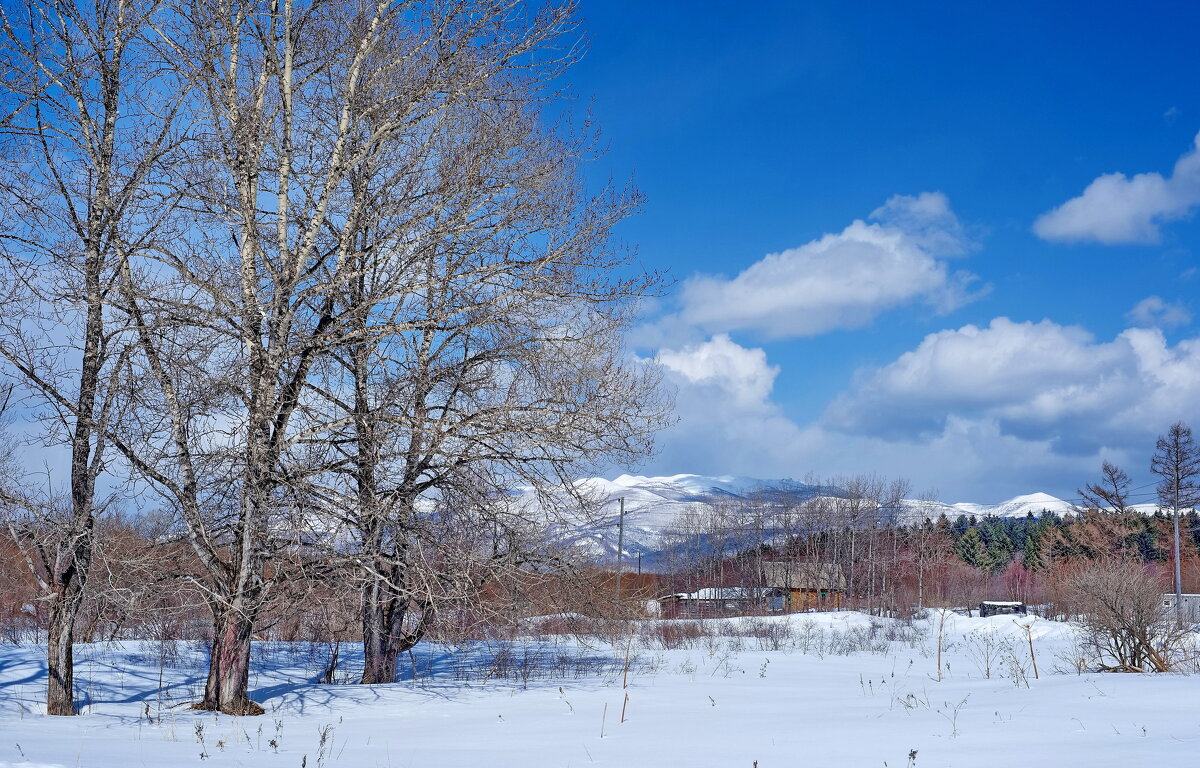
(814, 689)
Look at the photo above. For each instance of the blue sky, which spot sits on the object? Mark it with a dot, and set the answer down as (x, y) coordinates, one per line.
(1011, 315)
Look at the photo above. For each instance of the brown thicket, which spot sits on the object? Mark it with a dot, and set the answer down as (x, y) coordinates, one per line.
(1119, 604)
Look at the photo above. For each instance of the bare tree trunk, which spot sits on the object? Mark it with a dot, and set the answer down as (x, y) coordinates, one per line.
(379, 627)
(229, 666)
(379, 653)
(69, 576)
(60, 661)
(384, 637)
(1178, 570)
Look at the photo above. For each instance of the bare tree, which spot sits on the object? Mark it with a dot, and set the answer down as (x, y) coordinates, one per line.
(484, 349)
(86, 128)
(1111, 493)
(424, 313)
(230, 326)
(928, 548)
(1177, 461)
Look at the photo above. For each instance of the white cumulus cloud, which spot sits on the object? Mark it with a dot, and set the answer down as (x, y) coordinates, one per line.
(842, 280)
(1036, 381)
(1117, 209)
(727, 420)
(724, 365)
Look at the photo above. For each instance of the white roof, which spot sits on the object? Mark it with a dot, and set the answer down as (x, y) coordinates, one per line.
(719, 593)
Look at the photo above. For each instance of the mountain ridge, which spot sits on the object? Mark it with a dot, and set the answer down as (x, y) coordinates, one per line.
(656, 506)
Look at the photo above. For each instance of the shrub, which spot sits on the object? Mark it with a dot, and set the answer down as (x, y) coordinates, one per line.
(1119, 604)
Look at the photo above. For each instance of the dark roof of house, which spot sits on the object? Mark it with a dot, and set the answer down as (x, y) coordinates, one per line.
(815, 576)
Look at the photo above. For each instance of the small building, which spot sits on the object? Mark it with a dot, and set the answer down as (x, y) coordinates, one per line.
(713, 601)
(804, 586)
(1002, 608)
(1189, 607)
(784, 587)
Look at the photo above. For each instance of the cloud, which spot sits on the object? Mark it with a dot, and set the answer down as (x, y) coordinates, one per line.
(721, 364)
(1117, 209)
(729, 424)
(1154, 312)
(1036, 381)
(842, 280)
(727, 420)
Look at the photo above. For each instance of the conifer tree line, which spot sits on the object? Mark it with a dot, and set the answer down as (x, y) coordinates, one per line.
(893, 568)
(300, 289)
(899, 555)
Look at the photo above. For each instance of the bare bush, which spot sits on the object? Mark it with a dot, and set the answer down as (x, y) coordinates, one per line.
(1120, 610)
(986, 648)
(673, 634)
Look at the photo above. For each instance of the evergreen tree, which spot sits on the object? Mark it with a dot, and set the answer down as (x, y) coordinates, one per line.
(970, 548)
(1031, 551)
(961, 525)
(1000, 549)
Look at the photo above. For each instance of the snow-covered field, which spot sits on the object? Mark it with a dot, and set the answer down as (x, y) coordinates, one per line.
(835, 689)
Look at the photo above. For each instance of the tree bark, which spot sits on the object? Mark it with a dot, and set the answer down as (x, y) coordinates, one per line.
(229, 666)
(60, 658)
(380, 649)
(1178, 571)
(383, 616)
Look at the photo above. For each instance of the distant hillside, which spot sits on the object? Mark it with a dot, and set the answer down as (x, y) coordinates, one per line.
(654, 505)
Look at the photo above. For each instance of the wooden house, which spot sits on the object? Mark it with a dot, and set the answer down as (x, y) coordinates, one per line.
(804, 586)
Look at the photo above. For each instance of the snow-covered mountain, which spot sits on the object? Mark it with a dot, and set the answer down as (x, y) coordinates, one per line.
(655, 506)
(1018, 506)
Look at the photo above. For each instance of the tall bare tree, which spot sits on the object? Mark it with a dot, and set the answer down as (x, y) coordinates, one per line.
(384, 251)
(233, 317)
(1177, 461)
(487, 347)
(87, 126)
(1111, 493)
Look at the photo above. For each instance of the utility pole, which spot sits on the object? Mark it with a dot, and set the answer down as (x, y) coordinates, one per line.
(620, 547)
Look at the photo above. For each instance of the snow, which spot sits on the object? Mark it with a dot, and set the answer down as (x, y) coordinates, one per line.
(719, 593)
(806, 689)
(1018, 506)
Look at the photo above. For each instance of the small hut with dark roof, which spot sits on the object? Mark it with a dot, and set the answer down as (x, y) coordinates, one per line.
(796, 586)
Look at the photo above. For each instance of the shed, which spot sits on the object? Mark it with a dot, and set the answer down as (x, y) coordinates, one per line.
(712, 601)
(1001, 607)
(794, 586)
(1189, 606)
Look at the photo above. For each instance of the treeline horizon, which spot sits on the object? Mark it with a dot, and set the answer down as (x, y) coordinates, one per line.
(145, 585)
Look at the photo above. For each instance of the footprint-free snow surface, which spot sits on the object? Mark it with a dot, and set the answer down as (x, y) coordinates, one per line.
(832, 689)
